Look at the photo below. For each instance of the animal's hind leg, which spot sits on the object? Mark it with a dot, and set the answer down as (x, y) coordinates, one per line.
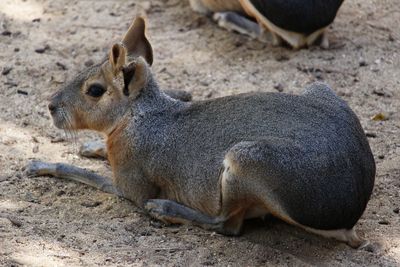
(233, 21)
(60, 170)
(237, 200)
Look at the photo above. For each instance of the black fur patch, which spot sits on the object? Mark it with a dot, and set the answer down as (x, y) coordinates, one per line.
(302, 16)
(129, 73)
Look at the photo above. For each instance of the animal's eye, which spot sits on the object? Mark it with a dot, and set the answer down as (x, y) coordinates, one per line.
(96, 90)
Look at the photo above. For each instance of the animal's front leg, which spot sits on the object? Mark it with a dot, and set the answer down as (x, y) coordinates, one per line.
(66, 171)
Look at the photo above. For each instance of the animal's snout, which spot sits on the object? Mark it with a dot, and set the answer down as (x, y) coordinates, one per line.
(52, 108)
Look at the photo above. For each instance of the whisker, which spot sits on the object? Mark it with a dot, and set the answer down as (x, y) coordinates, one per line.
(71, 134)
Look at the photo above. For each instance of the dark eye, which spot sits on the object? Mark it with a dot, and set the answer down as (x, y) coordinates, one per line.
(95, 90)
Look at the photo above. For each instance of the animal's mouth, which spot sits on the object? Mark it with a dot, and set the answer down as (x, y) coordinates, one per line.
(60, 117)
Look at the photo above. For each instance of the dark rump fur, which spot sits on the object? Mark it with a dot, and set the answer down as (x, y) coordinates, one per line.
(302, 16)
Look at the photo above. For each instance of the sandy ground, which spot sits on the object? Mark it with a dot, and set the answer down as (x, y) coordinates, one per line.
(50, 222)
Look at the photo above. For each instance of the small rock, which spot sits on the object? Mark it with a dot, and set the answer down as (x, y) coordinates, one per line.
(381, 156)
(370, 134)
(89, 204)
(57, 139)
(16, 49)
(238, 43)
(6, 70)
(209, 94)
(15, 221)
(396, 210)
(22, 92)
(362, 63)
(60, 193)
(41, 50)
(381, 92)
(278, 87)
(35, 149)
(61, 66)
(384, 222)
(204, 83)
(61, 237)
(36, 20)
(11, 83)
(6, 33)
(89, 63)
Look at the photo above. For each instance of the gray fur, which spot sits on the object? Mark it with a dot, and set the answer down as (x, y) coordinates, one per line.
(303, 158)
(310, 147)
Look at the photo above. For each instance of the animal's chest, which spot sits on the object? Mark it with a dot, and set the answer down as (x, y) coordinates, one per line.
(222, 5)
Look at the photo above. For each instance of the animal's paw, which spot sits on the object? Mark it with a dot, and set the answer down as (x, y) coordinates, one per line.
(158, 209)
(39, 168)
(94, 149)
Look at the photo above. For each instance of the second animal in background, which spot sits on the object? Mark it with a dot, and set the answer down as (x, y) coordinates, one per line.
(300, 23)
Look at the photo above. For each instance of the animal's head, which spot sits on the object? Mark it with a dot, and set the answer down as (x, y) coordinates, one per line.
(97, 97)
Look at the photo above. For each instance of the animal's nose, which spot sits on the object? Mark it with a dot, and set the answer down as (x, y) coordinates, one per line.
(52, 108)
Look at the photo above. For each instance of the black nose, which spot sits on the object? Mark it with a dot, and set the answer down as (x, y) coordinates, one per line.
(52, 108)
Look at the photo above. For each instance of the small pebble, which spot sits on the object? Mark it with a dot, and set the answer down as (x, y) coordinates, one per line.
(204, 83)
(381, 156)
(41, 50)
(60, 193)
(89, 63)
(57, 139)
(15, 222)
(384, 222)
(396, 210)
(362, 63)
(370, 134)
(278, 87)
(88, 204)
(381, 92)
(6, 33)
(11, 83)
(61, 66)
(113, 14)
(22, 92)
(6, 70)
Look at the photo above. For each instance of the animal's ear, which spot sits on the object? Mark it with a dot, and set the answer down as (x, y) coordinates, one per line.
(136, 43)
(117, 58)
(136, 76)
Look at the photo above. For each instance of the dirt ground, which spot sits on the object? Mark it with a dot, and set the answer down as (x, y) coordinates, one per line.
(51, 222)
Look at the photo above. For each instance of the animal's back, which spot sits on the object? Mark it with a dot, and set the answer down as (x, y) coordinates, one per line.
(325, 132)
